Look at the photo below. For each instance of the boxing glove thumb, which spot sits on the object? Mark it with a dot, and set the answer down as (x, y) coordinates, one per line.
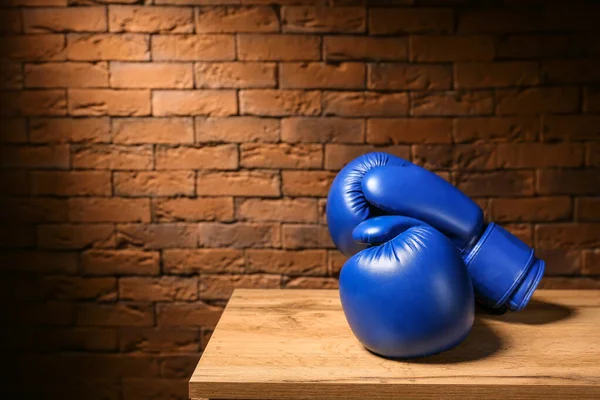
(409, 293)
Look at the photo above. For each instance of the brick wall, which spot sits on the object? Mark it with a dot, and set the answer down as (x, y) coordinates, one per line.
(156, 156)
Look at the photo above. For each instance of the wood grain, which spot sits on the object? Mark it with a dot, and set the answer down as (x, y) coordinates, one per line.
(296, 344)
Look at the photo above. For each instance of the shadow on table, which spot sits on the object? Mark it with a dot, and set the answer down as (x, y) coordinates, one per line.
(482, 342)
(537, 312)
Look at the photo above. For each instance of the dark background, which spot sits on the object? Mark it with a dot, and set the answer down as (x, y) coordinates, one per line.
(155, 156)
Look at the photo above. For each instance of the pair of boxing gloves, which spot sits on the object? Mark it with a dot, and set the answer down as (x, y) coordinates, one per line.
(420, 254)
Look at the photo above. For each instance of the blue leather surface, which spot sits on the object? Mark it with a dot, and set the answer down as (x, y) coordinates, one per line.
(503, 268)
(409, 295)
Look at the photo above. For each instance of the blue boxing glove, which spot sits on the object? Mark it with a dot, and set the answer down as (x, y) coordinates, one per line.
(409, 295)
(504, 270)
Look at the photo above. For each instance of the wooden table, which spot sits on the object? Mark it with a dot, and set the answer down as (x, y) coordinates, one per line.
(295, 344)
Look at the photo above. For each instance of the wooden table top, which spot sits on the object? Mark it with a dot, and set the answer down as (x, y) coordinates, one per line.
(296, 344)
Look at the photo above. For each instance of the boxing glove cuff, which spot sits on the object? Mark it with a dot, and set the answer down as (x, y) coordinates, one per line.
(504, 270)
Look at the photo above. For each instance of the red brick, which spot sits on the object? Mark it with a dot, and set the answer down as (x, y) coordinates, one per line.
(307, 183)
(365, 104)
(158, 236)
(274, 103)
(153, 183)
(71, 183)
(570, 283)
(195, 209)
(154, 75)
(237, 129)
(296, 236)
(496, 74)
(46, 3)
(365, 48)
(11, 75)
(548, 46)
(500, 129)
(150, 19)
(587, 209)
(433, 156)
(336, 262)
(187, 314)
(11, 21)
(322, 130)
(571, 71)
(323, 19)
(560, 261)
(236, 19)
(66, 74)
(178, 367)
(311, 283)
(14, 182)
(34, 48)
(235, 75)
(496, 183)
(451, 103)
(537, 100)
(33, 209)
(70, 236)
(284, 210)
(591, 100)
(193, 47)
(156, 388)
(72, 19)
(69, 130)
(48, 313)
(571, 127)
(238, 183)
(112, 209)
(17, 236)
(14, 130)
(240, 235)
(528, 19)
(165, 288)
(409, 130)
(108, 156)
(321, 75)
(537, 155)
(303, 262)
(591, 263)
(568, 181)
(385, 21)
(50, 102)
(120, 262)
(297, 156)
(39, 157)
(338, 155)
(217, 103)
(159, 340)
(523, 232)
(77, 339)
(120, 103)
(106, 46)
(77, 288)
(529, 210)
(206, 157)
(152, 130)
(500, 21)
(278, 47)
(116, 314)
(568, 235)
(406, 77)
(474, 156)
(216, 287)
(185, 262)
(451, 48)
(39, 262)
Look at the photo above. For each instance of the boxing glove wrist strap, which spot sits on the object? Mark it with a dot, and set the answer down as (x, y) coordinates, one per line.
(504, 270)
